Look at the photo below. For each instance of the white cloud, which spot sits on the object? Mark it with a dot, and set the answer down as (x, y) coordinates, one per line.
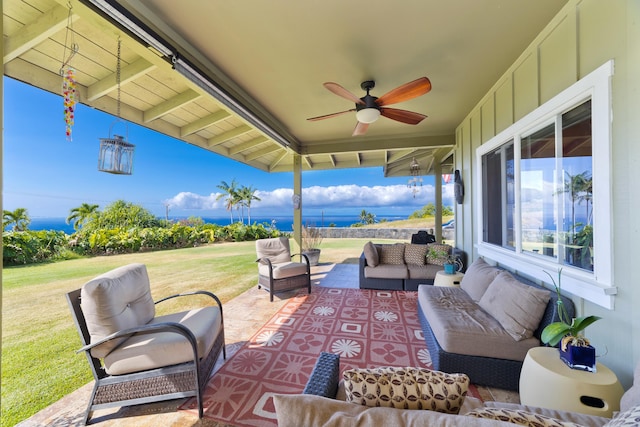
(316, 197)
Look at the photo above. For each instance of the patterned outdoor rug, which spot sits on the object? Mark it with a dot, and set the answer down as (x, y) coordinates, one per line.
(367, 328)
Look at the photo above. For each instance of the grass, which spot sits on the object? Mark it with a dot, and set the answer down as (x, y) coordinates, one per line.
(39, 364)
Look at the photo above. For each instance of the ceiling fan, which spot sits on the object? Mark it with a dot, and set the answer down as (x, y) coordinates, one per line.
(369, 108)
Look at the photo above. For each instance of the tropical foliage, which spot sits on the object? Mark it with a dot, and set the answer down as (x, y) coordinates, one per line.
(18, 219)
(78, 216)
(429, 210)
(237, 197)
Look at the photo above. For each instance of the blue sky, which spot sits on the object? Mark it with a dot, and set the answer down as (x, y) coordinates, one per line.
(49, 175)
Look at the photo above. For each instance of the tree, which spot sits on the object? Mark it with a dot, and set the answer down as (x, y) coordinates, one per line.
(230, 193)
(246, 196)
(121, 214)
(19, 218)
(81, 214)
(367, 217)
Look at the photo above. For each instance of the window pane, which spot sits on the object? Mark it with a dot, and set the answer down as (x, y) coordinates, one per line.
(537, 172)
(577, 187)
(499, 199)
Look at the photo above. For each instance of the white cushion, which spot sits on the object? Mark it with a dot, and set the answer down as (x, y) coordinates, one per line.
(283, 270)
(117, 300)
(149, 351)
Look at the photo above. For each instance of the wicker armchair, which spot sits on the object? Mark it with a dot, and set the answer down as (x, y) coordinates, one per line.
(135, 356)
(276, 271)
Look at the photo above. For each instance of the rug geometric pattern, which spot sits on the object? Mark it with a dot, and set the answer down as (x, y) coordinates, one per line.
(367, 328)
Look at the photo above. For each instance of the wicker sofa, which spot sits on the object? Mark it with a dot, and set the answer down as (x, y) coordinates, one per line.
(322, 403)
(471, 329)
(401, 266)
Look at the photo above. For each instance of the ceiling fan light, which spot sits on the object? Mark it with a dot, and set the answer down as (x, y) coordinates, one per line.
(368, 115)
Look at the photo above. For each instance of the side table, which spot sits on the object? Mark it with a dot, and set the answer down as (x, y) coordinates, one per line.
(450, 280)
(545, 381)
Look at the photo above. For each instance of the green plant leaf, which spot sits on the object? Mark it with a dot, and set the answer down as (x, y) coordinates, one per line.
(580, 323)
(553, 333)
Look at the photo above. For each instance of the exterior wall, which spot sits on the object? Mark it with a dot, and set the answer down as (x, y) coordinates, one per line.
(584, 35)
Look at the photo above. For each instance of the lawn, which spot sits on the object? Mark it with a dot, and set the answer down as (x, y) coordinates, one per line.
(39, 363)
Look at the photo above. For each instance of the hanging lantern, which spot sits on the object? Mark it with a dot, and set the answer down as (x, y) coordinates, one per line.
(116, 156)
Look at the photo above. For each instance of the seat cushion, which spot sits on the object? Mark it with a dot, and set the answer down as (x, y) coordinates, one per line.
(149, 351)
(461, 326)
(386, 271)
(283, 270)
(423, 271)
(116, 300)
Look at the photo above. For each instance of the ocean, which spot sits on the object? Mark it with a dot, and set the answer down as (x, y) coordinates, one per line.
(283, 223)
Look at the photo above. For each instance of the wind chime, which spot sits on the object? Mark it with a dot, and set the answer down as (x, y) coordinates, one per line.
(68, 74)
(116, 154)
(415, 182)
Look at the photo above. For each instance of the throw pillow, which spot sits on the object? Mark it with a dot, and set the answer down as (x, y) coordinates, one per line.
(517, 417)
(437, 253)
(477, 278)
(415, 254)
(516, 306)
(392, 254)
(406, 388)
(371, 254)
(628, 418)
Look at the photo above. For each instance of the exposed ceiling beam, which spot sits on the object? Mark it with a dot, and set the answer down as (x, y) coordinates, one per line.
(267, 150)
(233, 133)
(136, 69)
(204, 122)
(273, 167)
(354, 144)
(36, 32)
(332, 158)
(308, 161)
(170, 105)
(247, 145)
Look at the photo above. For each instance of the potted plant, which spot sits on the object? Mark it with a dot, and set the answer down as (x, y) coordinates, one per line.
(449, 262)
(575, 350)
(311, 239)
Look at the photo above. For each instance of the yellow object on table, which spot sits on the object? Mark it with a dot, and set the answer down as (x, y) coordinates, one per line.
(545, 381)
(451, 280)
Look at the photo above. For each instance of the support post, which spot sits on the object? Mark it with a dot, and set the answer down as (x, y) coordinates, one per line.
(297, 207)
(437, 169)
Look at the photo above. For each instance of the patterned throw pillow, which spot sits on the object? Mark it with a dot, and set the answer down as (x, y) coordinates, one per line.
(437, 248)
(517, 417)
(406, 388)
(628, 418)
(392, 254)
(415, 254)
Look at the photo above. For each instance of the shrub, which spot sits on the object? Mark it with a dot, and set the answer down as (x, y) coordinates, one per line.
(26, 247)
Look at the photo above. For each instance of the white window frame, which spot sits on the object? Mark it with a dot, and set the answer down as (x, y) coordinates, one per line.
(597, 286)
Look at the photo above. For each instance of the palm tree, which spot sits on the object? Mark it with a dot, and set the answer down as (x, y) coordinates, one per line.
(81, 214)
(576, 185)
(230, 192)
(248, 195)
(367, 217)
(19, 218)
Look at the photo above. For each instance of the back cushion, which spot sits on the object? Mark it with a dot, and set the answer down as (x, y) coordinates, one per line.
(392, 254)
(518, 307)
(276, 249)
(415, 254)
(117, 300)
(371, 254)
(477, 279)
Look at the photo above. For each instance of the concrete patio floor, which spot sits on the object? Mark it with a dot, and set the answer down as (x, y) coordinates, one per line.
(243, 316)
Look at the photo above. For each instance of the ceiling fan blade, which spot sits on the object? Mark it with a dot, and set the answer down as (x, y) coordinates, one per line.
(404, 116)
(340, 91)
(328, 116)
(405, 92)
(360, 129)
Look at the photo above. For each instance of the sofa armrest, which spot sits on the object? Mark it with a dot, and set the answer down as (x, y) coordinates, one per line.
(325, 376)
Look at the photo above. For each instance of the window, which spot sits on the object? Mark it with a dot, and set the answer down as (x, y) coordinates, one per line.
(543, 206)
